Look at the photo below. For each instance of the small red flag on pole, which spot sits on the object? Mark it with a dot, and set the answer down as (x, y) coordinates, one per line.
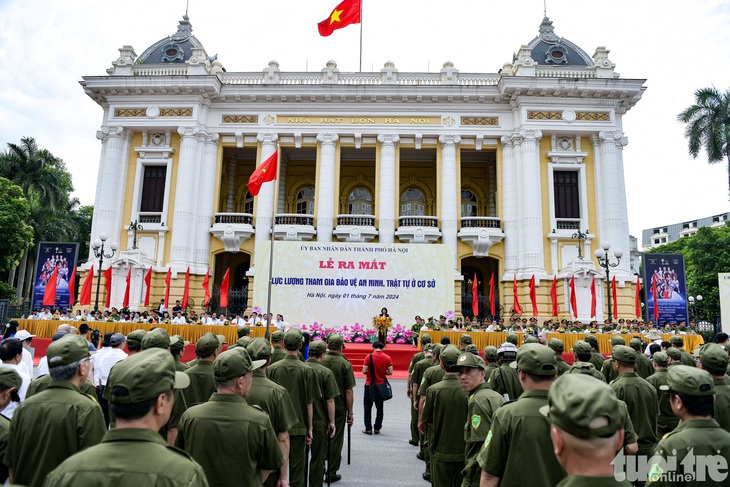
(344, 14)
(573, 298)
(263, 174)
(613, 295)
(125, 301)
(517, 307)
(148, 285)
(554, 295)
(593, 297)
(224, 290)
(72, 288)
(49, 293)
(206, 288)
(638, 297)
(85, 298)
(475, 297)
(167, 286)
(533, 296)
(186, 291)
(108, 285)
(491, 296)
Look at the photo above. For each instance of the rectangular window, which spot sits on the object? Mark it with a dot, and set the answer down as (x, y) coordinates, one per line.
(153, 189)
(567, 199)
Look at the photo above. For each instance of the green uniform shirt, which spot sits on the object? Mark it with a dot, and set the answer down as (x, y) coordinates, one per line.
(483, 403)
(585, 480)
(50, 427)
(702, 437)
(41, 384)
(129, 457)
(274, 400)
(202, 383)
(179, 366)
(722, 404)
(299, 379)
(414, 360)
(444, 410)
(432, 375)
(277, 354)
(328, 387)
(562, 366)
(644, 367)
(4, 435)
(597, 360)
(511, 451)
(641, 399)
(491, 367)
(505, 381)
(418, 370)
(686, 358)
(344, 378)
(231, 440)
(666, 420)
(609, 375)
(629, 431)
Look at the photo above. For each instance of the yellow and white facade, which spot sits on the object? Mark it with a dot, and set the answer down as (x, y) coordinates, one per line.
(503, 169)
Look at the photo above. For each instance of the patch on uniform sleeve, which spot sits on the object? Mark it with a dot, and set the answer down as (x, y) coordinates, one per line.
(655, 474)
(476, 420)
(489, 438)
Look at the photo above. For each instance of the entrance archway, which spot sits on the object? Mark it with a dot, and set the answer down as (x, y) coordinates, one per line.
(238, 263)
(484, 268)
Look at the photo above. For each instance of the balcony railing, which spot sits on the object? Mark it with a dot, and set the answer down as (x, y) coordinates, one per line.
(418, 221)
(568, 223)
(480, 222)
(293, 219)
(356, 220)
(148, 217)
(234, 218)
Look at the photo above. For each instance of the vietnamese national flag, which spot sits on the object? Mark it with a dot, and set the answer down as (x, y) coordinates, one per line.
(346, 13)
(593, 297)
(491, 296)
(148, 284)
(206, 288)
(474, 297)
(263, 174)
(49, 293)
(108, 285)
(186, 291)
(72, 288)
(224, 290)
(167, 286)
(517, 307)
(638, 297)
(533, 296)
(85, 297)
(554, 295)
(613, 295)
(573, 297)
(656, 298)
(125, 301)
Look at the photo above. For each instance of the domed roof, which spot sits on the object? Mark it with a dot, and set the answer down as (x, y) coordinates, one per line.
(175, 49)
(550, 50)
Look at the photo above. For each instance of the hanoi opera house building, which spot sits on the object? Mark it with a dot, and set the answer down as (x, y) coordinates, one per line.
(504, 169)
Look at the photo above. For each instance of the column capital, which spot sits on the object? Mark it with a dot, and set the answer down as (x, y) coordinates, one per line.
(449, 140)
(187, 131)
(267, 139)
(531, 135)
(388, 139)
(506, 140)
(111, 131)
(327, 139)
(616, 137)
(212, 138)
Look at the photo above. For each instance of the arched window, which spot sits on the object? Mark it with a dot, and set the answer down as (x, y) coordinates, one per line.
(305, 201)
(360, 202)
(469, 203)
(247, 206)
(412, 203)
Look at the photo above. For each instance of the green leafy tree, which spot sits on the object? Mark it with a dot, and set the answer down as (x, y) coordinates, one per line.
(708, 126)
(17, 235)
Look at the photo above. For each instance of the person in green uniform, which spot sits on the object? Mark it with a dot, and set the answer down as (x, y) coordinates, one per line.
(274, 400)
(344, 403)
(582, 360)
(134, 341)
(323, 421)
(586, 428)
(416, 376)
(638, 394)
(609, 374)
(432, 375)
(505, 379)
(530, 339)
(177, 349)
(233, 441)
(51, 426)
(691, 393)
(301, 382)
(277, 340)
(597, 358)
(464, 340)
(666, 420)
(482, 404)
(10, 383)
(243, 331)
(675, 356)
(558, 347)
(714, 360)
(643, 365)
(133, 453)
(444, 411)
(491, 361)
(678, 342)
(512, 338)
(417, 357)
(202, 383)
(511, 456)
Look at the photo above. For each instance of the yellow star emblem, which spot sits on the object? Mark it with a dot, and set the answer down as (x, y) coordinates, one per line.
(263, 170)
(335, 16)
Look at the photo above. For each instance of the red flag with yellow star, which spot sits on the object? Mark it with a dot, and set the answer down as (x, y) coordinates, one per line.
(346, 13)
(263, 174)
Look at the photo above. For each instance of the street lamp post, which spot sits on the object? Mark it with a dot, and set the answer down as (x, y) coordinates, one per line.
(605, 262)
(135, 227)
(98, 246)
(580, 236)
(694, 303)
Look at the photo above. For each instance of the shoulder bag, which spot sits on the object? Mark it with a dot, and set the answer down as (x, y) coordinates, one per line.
(379, 392)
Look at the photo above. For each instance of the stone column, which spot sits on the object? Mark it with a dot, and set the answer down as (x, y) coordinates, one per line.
(530, 222)
(449, 195)
(326, 187)
(206, 203)
(509, 208)
(265, 202)
(614, 215)
(282, 183)
(388, 187)
(185, 211)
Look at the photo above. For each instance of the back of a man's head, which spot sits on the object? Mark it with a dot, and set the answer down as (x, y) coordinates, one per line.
(9, 349)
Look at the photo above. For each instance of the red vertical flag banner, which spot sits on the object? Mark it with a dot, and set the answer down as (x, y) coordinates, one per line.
(475, 297)
(108, 285)
(517, 307)
(593, 297)
(573, 297)
(224, 290)
(125, 301)
(637, 299)
(85, 298)
(613, 295)
(346, 13)
(186, 291)
(491, 296)
(206, 288)
(263, 174)
(49, 293)
(167, 288)
(533, 295)
(554, 295)
(148, 285)
(654, 294)
(72, 288)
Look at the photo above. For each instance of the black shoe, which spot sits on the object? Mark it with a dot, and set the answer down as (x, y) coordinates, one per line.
(420, 456)
(426, 476)
(334, 478)
(411, 442)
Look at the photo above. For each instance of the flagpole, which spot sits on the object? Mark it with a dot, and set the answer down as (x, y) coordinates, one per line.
(271, 247)
(361, 1)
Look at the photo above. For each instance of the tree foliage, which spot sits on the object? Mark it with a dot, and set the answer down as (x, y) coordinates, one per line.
(17, 235)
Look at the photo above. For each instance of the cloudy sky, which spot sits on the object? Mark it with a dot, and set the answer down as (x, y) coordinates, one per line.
(678, 46)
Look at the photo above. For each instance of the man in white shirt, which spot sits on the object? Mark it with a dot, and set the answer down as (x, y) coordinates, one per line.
(280, 323)
(98, 357)
(11, 354)
(254, 320)
(88, 316)
(25, 338)
(43, 364)
(178, 319)
(45, 314)
(162, 307)
(115, 354)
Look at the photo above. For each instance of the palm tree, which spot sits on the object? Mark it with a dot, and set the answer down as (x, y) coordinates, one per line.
(708, 125)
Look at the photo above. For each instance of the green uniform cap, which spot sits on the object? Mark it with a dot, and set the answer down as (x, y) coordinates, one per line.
(471, 348)
(144, 376)
(661, 358)
(635, 343)
(586, 368)
(293, 338)
(449, 356)
(512, 338)
(529, 339)
(259, 349)
(207, 344)
(674, 353)
(591, 340)
(10, 378)
(428, 347)
(583, 407)
(243, 331)
(713, 357)
(317, 348)
(335, 341)
(470, 360)
(244, 341)
(234, 363)
(688, 380)
(437, 349)
(490, 353)
(617, 340)
(157, 338)
(425, 338)
(536, 359)
(556, 344)
(177, 343)
(624, 354)
(136, 336)
(581, 346)
(277, 337)
(676, 339)
(465, 339)
(67, 350)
